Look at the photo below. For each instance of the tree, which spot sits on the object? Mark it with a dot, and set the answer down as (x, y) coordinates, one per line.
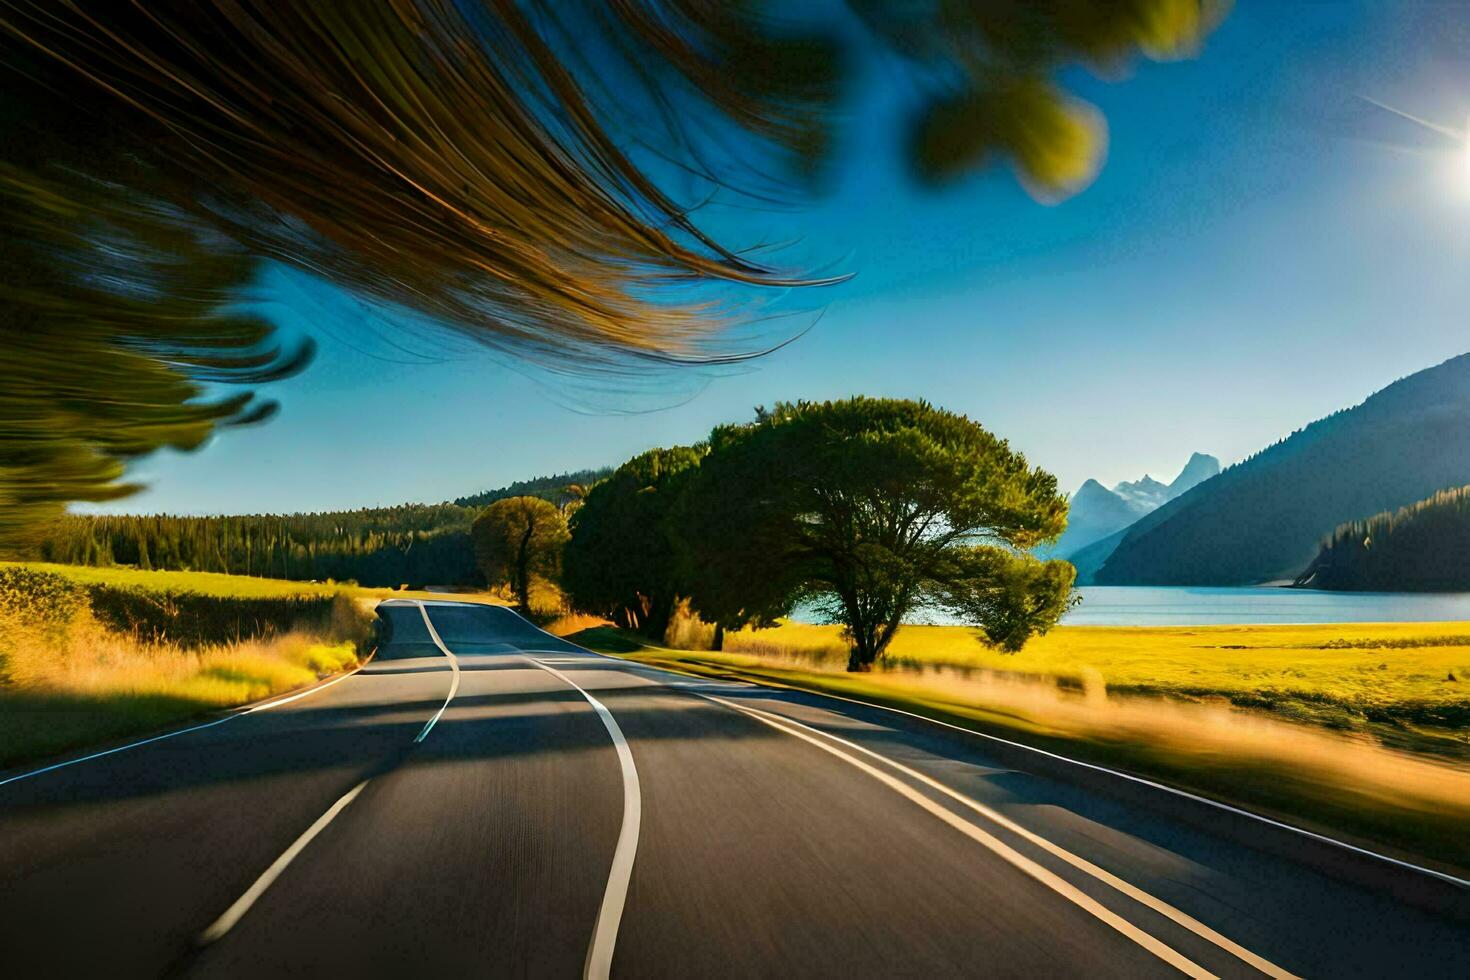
(621, 561)
(517, 539)
(870, 509)
(729, 595)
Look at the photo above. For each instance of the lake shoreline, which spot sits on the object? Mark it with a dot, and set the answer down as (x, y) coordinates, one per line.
(1251, 605)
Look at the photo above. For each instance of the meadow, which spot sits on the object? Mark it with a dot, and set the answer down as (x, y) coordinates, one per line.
(1355, 730)
(1407, 684)
(88, 654)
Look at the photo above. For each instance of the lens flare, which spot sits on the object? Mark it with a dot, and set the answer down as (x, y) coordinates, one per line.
(1465, 155)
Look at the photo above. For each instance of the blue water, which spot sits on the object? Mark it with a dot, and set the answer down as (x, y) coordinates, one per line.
(1142, 605)
(1122, 605)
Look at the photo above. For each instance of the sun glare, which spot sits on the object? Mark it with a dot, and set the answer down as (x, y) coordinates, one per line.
(1465, 156)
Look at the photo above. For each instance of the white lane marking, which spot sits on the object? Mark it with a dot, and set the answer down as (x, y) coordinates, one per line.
(453, 666)
(600, 950)
(633, 665)
(266, 706)
(235, 912)
(1137, 894)
(1323, 838)
(1059, 885)
(242, 904)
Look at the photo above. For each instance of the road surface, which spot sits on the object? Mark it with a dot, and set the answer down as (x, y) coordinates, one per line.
(485, 800)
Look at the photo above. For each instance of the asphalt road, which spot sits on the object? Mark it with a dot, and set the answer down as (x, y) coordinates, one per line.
(485, 800)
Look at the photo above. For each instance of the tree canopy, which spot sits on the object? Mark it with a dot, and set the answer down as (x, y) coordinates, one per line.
(622, 561)
(871, 509)
(1424, 547)
(516, 540)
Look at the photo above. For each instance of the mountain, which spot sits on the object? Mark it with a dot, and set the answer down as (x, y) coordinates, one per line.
(1146, 494)
(1263, 519)
(1097, 512)
(1089, 558)
(1422, 548)
(1200, 468)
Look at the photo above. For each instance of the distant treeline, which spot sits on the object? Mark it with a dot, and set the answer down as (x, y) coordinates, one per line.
(1424, 547)
(552, 488)
(412, 544)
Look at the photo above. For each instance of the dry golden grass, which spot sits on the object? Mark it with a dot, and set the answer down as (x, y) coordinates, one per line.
(1060, 695)
(66, 679)
(95, 662)
(571, 623)
(1407, 683)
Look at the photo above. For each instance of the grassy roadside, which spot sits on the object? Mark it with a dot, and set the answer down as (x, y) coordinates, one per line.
(1404, 684)
(1344, 784)
(90, 655)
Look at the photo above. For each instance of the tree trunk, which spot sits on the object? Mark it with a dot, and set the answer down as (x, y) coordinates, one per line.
(860, 657)
(523, 571)
(718, 643)
(660, 611)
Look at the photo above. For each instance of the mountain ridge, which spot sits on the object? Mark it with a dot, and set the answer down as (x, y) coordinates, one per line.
(1263, 518)
(1097, 512)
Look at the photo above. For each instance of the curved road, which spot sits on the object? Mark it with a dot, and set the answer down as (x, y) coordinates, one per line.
(483, 799)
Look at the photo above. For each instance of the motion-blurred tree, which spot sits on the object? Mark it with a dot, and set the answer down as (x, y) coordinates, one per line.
(870, 509)
(517, 540)
(484, 165)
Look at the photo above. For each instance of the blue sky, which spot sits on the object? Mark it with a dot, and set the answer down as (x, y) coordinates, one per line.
(1261, 248)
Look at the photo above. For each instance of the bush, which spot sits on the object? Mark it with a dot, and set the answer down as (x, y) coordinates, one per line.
(39, 597)
(83, 661)
(193, 618)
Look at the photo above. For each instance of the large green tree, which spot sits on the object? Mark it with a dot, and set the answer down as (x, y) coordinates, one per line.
(870, 509)
(622, 561)
(517, 540)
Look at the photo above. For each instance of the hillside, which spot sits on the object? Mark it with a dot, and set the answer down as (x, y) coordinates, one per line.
(547, 487)
(412, 544)
(1263, 519)
(1422, 548)
(1089, 559)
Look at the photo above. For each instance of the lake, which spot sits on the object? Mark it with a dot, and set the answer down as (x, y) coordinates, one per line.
(1143, 605)
(1123, 605)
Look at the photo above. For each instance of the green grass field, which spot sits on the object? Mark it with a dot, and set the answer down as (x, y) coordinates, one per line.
(1273, 718)
(204, 583)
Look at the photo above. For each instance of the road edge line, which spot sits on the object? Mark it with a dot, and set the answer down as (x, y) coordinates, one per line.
(1361, 852)
(1121, 885)
(1129, 930)
(237, 712)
